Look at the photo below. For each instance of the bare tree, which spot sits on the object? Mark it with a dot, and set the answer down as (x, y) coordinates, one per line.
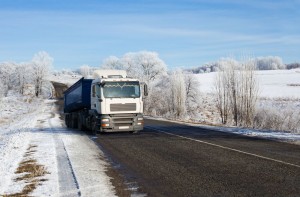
(247, 93)
(178, 90)
(41, 64)
(236, 88)
(24, 73)
(7, 76)
(223, 87)
(192, 86)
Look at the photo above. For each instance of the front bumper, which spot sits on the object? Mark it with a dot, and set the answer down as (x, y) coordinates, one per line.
(122, 122)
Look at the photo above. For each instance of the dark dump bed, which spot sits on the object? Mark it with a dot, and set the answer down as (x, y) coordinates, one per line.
(78, 96)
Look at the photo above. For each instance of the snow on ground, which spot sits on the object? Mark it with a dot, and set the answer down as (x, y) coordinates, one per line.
(64, 78)
(273, 83)
(279, 91)
(71, 163)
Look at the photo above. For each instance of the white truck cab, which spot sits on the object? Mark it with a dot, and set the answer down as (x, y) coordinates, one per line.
(117, 101)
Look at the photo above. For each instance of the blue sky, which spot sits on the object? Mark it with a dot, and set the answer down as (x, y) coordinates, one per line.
(185, 33)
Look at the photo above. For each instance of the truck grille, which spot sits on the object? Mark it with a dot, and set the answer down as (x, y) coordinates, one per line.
(123, 121)
(123, 107)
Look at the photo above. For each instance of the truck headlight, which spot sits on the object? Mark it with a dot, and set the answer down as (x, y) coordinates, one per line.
(140, 121)
(105, 120)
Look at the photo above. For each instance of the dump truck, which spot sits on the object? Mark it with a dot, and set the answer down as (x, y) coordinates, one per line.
(110, 102)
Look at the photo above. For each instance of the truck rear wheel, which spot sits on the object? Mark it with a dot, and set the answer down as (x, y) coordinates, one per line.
(74, 121)
(80, 125)
(94, 126)
(67, 120)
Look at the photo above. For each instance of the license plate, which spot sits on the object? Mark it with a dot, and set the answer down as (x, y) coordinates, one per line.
(124, 127)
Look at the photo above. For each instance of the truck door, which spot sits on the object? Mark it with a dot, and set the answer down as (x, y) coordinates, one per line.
(95, 98)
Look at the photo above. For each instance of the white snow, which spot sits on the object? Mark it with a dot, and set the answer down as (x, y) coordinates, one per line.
(272, 83)
(41, 127)
(64, 78)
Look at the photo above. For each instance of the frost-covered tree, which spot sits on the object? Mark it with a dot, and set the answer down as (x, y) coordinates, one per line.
(2, 90)
(222, 85)
(247, 92)
(112, 62)
(192, 86)
(148, 66)
(144, 65)
(293, 65)
(160, 102)
(129, 63)
(7, 76)
(236, 88)
(41, 64)
(24, 73)
(85, 71)
(178, 91)
(269, 63)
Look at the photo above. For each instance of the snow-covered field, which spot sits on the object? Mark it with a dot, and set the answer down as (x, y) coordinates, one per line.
(39, 157)
(272, 83)
(278, 89)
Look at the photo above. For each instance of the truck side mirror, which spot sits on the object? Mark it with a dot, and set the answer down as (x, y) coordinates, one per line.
(145, 90)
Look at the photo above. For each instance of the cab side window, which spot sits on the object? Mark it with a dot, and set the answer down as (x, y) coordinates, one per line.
(98, 92)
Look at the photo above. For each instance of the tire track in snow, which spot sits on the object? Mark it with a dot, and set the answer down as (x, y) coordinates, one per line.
(68, 184)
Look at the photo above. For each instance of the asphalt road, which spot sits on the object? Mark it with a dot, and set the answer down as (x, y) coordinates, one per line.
(168, 159)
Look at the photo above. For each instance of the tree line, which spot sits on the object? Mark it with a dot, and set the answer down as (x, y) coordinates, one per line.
(261, 63)
(26, 75)
(173, 94)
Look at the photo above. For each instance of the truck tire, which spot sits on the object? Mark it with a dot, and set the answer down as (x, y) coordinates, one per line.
(80, 126)
(74, 121)
(94, 126)
(66, 121)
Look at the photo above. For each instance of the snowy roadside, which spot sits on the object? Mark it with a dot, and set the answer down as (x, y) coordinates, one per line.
(266, 134)
(66, 163)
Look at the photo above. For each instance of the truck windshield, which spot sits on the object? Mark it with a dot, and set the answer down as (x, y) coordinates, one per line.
(121, 89)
